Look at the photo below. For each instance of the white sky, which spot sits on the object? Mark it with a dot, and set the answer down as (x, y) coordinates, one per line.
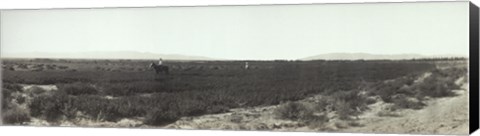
(243, 32)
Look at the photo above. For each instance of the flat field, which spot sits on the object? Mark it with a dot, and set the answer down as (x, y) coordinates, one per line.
(127, 93)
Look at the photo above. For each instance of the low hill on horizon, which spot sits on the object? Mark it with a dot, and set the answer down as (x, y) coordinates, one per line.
(154, 56)
(367, 56)
(107, 55)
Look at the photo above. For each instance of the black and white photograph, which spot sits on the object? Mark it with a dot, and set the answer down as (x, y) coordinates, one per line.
(398, 68)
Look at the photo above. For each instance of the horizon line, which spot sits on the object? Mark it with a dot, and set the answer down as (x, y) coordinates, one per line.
(16, 55)
(146, 59)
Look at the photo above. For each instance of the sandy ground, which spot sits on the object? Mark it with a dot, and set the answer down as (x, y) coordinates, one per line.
(259, 118)
(441, 116)
(447, 115)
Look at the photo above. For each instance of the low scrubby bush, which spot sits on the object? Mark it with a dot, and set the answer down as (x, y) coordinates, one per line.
(158, 117)
(20, 99)
(78, 89)
(349, 103)
(47, 107)
(405, 94)
(398, 86)
(15, 116)
(6, 97)
(53, 107)
(437, 86)
(317, 121)
(13, 87)
(323, 105)
(115, 90)
(344, 110)
(195, 108)
(405, 102)
(35, 90)
(293, 111)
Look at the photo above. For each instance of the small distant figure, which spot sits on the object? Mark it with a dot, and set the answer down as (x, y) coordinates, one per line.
(246, 65)
(160, 62)
(159, 68)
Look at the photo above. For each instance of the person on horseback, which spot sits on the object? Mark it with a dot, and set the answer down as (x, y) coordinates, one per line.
(159, 68)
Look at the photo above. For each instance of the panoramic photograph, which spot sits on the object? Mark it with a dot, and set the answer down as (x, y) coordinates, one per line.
(366, 68)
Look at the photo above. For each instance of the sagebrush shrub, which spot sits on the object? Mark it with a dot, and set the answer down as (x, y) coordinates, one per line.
(214, 109)
(195, 108)
(78, 89)
(158, 117)
(388, 89)
(68, 109)
(21, 99)
(15, 116)
(37, 105)
(316, 121)
(323, 105)
(6, 97)
(404, 102)
(52, 111)
(53, 107)
(13, 87)
(110, 113)
(349, 103)
(344, 110)
(293, 111)
(352, 98)
(35, 90)
(436, 86)
(115, 90)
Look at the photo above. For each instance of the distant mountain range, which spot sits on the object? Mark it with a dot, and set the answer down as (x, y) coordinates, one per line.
(366, 56)
(106, 55)
(149, 56)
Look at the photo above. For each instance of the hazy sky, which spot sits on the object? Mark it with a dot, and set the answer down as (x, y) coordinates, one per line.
(243, 32)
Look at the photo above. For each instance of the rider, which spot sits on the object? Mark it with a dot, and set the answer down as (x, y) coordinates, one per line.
(160, 62)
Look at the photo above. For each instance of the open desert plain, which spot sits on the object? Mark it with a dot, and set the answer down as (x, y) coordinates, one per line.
(421, 96)
(359, 67)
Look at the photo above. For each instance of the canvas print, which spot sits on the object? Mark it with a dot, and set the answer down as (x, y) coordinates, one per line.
(364, 67)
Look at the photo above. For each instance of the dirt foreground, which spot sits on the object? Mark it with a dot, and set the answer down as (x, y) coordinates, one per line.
(442, 116)
(447, 115)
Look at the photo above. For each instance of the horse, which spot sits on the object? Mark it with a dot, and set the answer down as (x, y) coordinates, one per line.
(159, 68)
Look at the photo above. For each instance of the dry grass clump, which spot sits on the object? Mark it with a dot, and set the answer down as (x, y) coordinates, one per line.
(410, 91)
(15, 116)
(35, 90)
(53, 107)
(293, 111)
(78, 89)
(158, 117)
(349, 103)
(402, 101)
(437, 86)
(297, 111)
